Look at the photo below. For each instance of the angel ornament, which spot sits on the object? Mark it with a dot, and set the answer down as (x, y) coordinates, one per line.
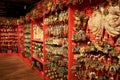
(105, 19)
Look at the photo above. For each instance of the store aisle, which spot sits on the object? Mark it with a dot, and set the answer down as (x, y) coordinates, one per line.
(13, 68)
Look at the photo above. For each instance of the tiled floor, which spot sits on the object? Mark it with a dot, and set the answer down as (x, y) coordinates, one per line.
(13, 68)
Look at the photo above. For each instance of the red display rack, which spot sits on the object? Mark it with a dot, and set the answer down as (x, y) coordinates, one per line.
(47, 35)
(72, 44)
(9, 39)
(71, 11)
(35, 42)
(21, 38)
(27, 40)
(21, 43)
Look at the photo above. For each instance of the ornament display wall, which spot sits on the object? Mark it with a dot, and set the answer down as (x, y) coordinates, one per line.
(27, 40)
(80, 40)
(89, 55)
(92, 46)
(8, 39)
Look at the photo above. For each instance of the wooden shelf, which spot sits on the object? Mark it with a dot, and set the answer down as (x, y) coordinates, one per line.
(38, 59)
(9, 41)
(37, 40)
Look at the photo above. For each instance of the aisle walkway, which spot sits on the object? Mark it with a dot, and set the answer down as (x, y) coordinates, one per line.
(13, 68)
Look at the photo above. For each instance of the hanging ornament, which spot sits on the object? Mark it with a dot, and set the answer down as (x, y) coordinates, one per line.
(110, 22)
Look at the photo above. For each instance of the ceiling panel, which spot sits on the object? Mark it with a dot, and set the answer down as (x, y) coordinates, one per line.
(16, 8)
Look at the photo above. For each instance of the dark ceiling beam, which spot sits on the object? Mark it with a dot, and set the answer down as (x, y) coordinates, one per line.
(1, 10)
(2, 7)
(2, 2)
(15, 5)
(11, 4)
(34, 1)
(15, 8)
(22, 2)
(14, 1)
(10, 15)
(3, 14)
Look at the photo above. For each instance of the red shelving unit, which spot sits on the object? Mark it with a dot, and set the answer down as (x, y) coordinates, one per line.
(9, 39)
(59, 50)
(90, 37)
(27, 40)
(70, 46)
(72, 60)
(38, 59)
(21, 39)
(37, 54)
(37, 40)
